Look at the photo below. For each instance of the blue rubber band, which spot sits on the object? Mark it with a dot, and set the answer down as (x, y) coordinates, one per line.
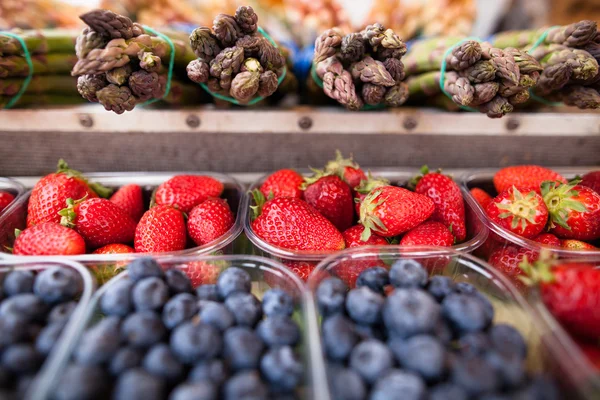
(27, 80)
(532, 95)
(443, 71)
(171, 65)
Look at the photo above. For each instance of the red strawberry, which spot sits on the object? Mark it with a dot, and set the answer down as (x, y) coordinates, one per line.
(346, 169)
(524, 177)
(352, 238)
(448, 200)
(48, 239)
(161, 229)
(293, 224)
(571, 244)
(482, 197)
(525, 215)
(283, 183)
(301, 268)
(547, 239)
(209, 221)
(507, 259)
(574, 210)
(201, 273)
(332, 197)
(349, 270)
(365, 187)
(5, 199)
(115, 248)
(591, 180)
(129, 198)
(429, 233)
(187, 191)
(390, 211)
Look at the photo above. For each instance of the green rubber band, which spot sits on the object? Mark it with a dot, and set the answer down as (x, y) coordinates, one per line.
(29, 62)
(537, 44)
(542, 38)
(171, 65)
(443, 72)
(256, 99)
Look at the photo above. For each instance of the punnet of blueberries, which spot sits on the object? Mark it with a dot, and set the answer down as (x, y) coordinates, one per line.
(160, 340)
(402, 335)
(35, 306)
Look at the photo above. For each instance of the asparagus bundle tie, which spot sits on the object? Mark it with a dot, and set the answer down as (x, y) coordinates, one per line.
(170, 67)
(28, 78)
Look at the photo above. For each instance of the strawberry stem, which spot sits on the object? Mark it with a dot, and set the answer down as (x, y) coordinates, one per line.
(259, 201)
(68, 214)
(368, 219)
(366, 186)
(522, 209)
(337, 166)
(539, 271)
(559, 199)
(100, 190)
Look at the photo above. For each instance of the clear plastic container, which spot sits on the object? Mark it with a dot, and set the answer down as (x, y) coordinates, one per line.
(13, 187)
(549, 349)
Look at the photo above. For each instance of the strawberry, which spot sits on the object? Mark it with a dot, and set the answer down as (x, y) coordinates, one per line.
(524, 177)
(390, 211)
(187, 191)
(130, 199)
(482, 197)
(429, 233)
(209, 221)
(352, 238)
(332, 197)
(448, 200)
(570, 244)
(524, 215)
(365, 187)
(507, 259)
(161, 229)
(106, 271)
(115, 248)
(48, 239)
(201, 272)
(294, 224)
(574, 210)
(591, 180)
(5, 199)
(346, 169)
(98, 221)
(283, 183)
(301, 268)
(547, 239)
(349, 270)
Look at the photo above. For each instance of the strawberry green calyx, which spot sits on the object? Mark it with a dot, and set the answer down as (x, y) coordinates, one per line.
(63, 168)
(259, 202)
(522, 209)
(68, 214)
(337, 166)
(317, 174)
(368, 219)
(539, 271)
(412, 184)
(366, 186)
(559, 201)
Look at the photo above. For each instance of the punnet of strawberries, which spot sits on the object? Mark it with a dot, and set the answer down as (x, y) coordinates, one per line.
(69, 215)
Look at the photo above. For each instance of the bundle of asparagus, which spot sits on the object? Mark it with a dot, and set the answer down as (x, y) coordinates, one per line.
(119, 65)
(476, 74)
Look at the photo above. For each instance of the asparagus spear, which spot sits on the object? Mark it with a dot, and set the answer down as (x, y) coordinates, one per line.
(52, 84)
(39, 42)
(461, 57)
(37, 100)
(573, 35)
(16, 66)
(582, 97)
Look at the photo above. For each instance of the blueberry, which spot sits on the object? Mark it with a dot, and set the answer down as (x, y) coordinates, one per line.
(117, 298)
(423, 355)
(125, 359)
(474, 375)
(509, 368)
(178, 282)
(364, 305)
(61, 312)
(375, 278)
(495, 396)
(409, 312)
(281, 368)
(21, 359)
(161, 362)
(13, 329)
(57, 285)
(28, 306)
(80, 382)
(408, 274)
(194, 391)
(144, 267)
(24, 383)
(279, 330)
(370, 331)
(447, 391)
(440, 287)
(245, 385)
(466, 313)
(277, 302)
(346, 384)
(194, 342)
(246, 308)
(17, 282)
(540, 388)
(339, 337)
(208, 292)
(217, 315)
(233, 280)
(99, 343)
(150, 294)
(6, 379)
(48, 337)
(180, 308)
(137, 384)
(465, 288)
(475, 343)
(242, 348)
(142, 329)
(371, 359)
(443, 332)
(213, 371)
(507, 339)
(331, 296)
(399, 385)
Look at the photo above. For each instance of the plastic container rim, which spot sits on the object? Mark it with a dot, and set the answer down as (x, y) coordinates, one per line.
(10, 183)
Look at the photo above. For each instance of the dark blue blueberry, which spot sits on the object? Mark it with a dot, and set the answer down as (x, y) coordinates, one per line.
(137, 384)
(21, 359)
(178, 282)
(150, 294)
(364, 305)
(208, 292)
(48, 337)
(509, 368)
(475, 343)
(440, 287)
(423, 355)
(465, 288)
(144, 267)
(233, 280)
(277, 302)
(371, 359)
(61, 312)
(475, 375)
(399, 385)
(466, 313)
(540, 388)
(217, 315)
(375, 278)
(279, 330)
(443, 332)
(339, 337)
(245, 385)
(447, 391)
(17, 282)
(408, 274)
(117, 298)
(194, 391)
(161, 361)
(142, 329)
(6, 379)
(57, 285)
(245, 307)
(331, 296)
(507, 339)
(281, 368)
(27, 306)
(193, 342)
(100, 343)
(13, 329)
(409, 312)
(180, 308)
(346, 384)
(242, 348)
(79, 382)
(125, 359)
(213, 371)
(370, 331)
